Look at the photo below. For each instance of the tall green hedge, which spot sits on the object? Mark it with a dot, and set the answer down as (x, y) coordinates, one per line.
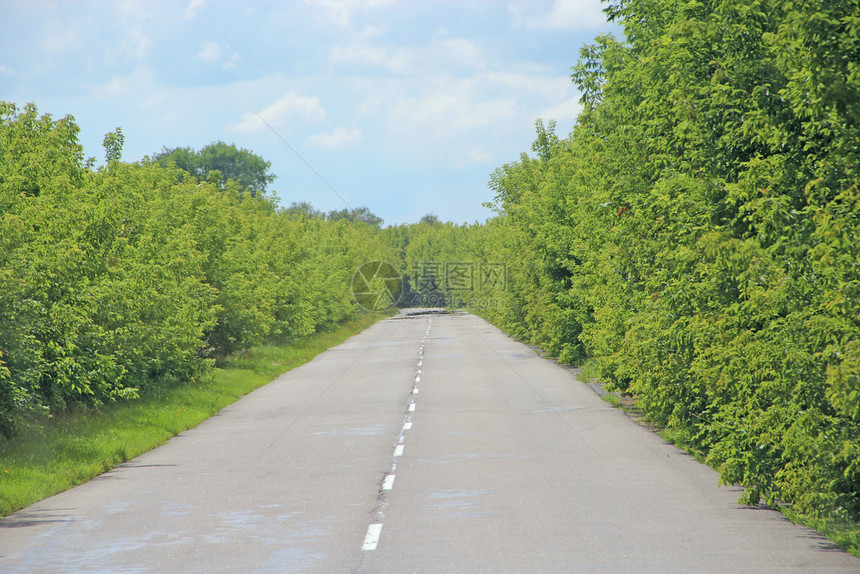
(116, 279)
(698, 235)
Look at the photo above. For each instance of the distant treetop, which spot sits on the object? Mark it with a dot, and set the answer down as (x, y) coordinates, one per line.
(241, 165)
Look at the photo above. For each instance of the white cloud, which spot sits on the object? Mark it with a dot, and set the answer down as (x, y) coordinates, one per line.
(566, 111)
(139, 81)
(135, 15)
(341, 10)
(210, 52)
(290, 107)
(62, 36)
(564, 15)
(448, 54)
(459, 51)
(455, 112)
(138, 41)
(218, 53)
(370, 107)
(397, 61)
(532, 81)
(294, 104)
(418, 87)
(473, 121)
(453, 105)
(193, 7)
(338, 138)
(235, 58)
(472, 156)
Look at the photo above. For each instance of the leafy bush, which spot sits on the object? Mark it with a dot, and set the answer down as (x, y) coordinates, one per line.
(115, 280)
(697, 236)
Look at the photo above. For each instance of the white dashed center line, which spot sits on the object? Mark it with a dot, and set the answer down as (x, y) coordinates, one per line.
(388, 483)
(371, 539)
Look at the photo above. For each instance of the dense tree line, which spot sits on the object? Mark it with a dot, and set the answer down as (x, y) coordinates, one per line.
(358, 214)
(117, 279)
(698, 236)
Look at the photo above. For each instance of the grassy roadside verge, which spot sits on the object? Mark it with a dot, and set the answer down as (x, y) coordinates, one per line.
(69, 450)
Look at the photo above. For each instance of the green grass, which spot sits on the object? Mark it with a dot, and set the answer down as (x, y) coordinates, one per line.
(589, 372)
(56, 454)
(843, 532)
(683, 439)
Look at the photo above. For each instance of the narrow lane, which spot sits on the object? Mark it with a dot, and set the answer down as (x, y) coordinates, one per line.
(425, 444)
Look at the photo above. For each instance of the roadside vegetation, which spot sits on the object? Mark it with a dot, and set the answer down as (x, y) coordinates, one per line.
(117, 280)
(694, 240)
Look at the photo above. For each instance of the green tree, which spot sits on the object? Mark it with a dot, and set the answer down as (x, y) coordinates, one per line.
(696, 235)
(239, 164)
(115, 281)
(359, 214)
(113, 143)
(304, 208)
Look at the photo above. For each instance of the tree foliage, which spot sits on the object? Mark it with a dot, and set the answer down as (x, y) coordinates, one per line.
(357, 214)
(116, 280)
(697, 235)
(218, 163)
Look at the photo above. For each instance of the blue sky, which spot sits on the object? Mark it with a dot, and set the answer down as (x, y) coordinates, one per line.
(403, 106)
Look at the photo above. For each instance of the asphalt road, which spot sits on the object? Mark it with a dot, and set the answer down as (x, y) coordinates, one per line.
(425, 444)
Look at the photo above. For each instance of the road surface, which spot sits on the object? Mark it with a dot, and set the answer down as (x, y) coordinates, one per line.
(428, 443)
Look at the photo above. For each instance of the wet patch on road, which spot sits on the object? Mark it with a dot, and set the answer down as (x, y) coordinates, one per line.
(463, 502)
